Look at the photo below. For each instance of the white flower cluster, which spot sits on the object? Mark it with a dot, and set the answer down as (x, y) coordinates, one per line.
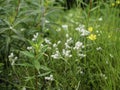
(12, 58)
(50, 78)
(66, 53)
(103, 75)
(35, 36)
(68, 42)
(68, 47)
(82, 30)
(56, 55)
(78, 45)
(99, 49)
(29, 48)
(65, 27)
(47, 41)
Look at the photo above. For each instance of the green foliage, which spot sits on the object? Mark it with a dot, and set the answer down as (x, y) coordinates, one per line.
(43, 47)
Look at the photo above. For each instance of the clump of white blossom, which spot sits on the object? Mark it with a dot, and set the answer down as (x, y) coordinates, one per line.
(103, 76)
(82, 30)
(65, 27)
(12, 58)
(35, 36)
(50, 78)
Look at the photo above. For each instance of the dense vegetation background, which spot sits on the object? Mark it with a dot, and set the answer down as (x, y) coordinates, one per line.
(53, 45)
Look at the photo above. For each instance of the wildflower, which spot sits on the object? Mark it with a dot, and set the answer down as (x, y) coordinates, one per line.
(23, 88)
(11, 27)
(29, 48)
(81, 72)
(103, 75)
(54, 45)
(47, 41)
(92, 37)
(50, 78)
(82, 55)
(67, 35)
(65, 27)
(11, 55)
(58, 42)
(111, 55)
(113, 4)
(78, 45)
(22, 29)
(46, 21)
(66, 53)
(106, 62)
(56, 55)
(12, 59)
(99, 48)
(118, 2)
(35, 37)
(82, 30)
(67, 45)
(58, 30)
(90, 29)
(100, 19)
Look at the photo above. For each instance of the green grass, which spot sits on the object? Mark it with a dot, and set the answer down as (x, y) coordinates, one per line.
(60, 48)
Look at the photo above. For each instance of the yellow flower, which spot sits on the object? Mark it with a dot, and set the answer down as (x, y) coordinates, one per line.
(113, 4)
(92, 37)
(90, 29)
(117, 2)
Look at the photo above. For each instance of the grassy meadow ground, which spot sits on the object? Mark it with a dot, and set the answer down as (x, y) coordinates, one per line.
(46, 48)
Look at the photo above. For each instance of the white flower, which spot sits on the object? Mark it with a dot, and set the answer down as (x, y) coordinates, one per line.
(111, 55)
(50, 78)
(15, 58)
(23, 88)
(58, 42)
(67, 35)
(29, 48)
(46, 21)
(100, 19)
(66, 53)
(65, 27)
(103, 75)
(54, 45)
(56, 55)
(35, 37)
(82, 55)
(11, 27)
(11, 55)
(78, 45)
(99, 48)
(47, 41)
(12, 59)
(67, 46)
(22, 29)
(82, 30)
(58, 30)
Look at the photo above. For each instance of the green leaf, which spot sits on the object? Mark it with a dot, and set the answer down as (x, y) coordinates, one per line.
(1, 64)
(36, 64)
(44, 68)
(44, 74)
(28, 54)
(25, 64)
